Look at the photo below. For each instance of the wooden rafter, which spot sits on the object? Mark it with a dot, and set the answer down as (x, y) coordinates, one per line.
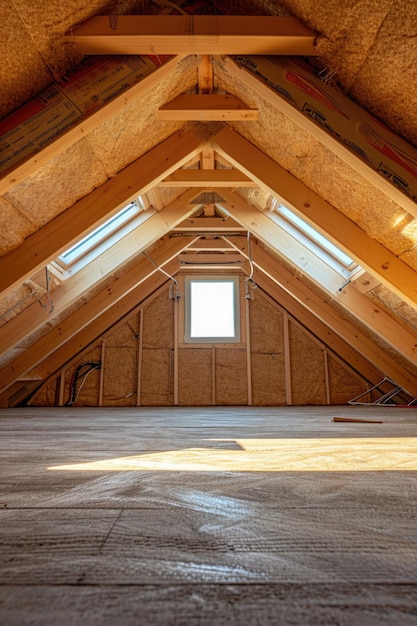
(389, 269)
(355, 302)
(194, 34)
(60, 233)
(97, 314)
(324, 312)
(319, 133)
(154, 226)
(24, 168)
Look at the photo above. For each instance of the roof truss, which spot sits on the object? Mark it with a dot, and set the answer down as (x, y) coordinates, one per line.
(162, 167)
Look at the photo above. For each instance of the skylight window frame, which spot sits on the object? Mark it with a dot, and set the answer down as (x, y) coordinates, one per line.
(313, 240)
(98, 240)
(208, 340)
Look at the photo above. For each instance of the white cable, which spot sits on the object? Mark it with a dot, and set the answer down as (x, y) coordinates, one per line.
(160, 269)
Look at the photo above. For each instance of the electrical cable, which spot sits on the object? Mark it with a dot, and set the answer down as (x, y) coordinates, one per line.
(158, 267)
(91, 365)
(250, 279)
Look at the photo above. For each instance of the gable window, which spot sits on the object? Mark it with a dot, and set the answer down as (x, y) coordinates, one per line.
(212, 309)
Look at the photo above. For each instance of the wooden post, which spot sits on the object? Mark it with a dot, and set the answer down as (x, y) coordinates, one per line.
(61, 390)
(287, 359)
(101, 384)
(326, 375)
(176, 330)
(213, 375)
(140, 353)
(248, 349)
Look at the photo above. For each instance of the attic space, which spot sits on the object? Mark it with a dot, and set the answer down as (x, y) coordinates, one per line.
(208, 312)
(156, 142)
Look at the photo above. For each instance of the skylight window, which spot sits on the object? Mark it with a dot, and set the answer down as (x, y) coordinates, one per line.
(313, 240)
(314, 235)
(98, 235)
(212, 310)
(97, 241)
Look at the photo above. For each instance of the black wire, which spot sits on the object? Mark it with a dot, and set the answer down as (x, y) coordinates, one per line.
(91, 365)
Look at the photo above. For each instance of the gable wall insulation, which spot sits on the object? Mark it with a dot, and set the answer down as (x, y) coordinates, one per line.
(138, 365)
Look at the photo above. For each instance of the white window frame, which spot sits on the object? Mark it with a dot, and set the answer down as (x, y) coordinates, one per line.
(98, 240)
(313, 240)
(188, 338)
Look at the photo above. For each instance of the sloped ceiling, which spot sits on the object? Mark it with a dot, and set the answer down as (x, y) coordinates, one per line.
(367, 52)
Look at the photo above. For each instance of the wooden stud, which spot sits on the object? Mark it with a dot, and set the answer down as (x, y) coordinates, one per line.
(207, 158)
(61, 388)
(194, 34)
(96, 315)
(140, 357)
(176, 333)
(287, 359)
(213, 375)
(248, 350)
(326, 376)
(103, 362)
(205, 75)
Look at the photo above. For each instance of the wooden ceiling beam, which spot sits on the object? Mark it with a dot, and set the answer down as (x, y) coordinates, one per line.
(209, 225)
(60, 233)
(207, 178)
(193, 34)
(122, 293)
(366, 251)
(207, 108)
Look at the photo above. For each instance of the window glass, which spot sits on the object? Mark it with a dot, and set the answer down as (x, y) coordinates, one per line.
(212, 310)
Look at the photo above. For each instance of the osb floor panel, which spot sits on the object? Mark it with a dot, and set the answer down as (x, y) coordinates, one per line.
(208, 516)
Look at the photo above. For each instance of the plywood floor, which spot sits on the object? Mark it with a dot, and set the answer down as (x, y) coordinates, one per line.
(208, 516)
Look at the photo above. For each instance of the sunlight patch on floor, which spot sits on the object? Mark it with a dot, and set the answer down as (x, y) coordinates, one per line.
(271, 455)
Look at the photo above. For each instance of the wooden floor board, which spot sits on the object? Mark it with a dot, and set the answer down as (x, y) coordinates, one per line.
(208, 516)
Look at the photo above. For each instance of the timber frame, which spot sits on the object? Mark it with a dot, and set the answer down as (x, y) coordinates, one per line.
(212, 169)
